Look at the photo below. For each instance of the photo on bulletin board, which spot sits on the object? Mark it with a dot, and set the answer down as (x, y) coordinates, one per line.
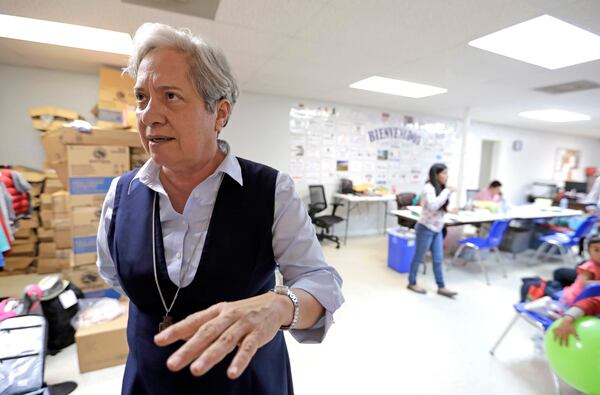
(341, 165)
(382, 154)
(566, 164)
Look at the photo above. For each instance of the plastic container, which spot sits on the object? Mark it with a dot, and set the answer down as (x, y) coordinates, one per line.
(401, 249)
(516, 240)
(564, 203)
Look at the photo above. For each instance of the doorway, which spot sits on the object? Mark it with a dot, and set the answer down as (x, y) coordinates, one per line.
(488, 170)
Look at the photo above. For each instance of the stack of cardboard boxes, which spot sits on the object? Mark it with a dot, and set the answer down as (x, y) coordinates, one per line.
(24, 250)
(55, 253)
(68, 197)
(49, 118)
(61, 233)
(85, 163)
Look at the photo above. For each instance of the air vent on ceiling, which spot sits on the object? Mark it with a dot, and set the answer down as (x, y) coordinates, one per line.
(206, 9)
(569, 87)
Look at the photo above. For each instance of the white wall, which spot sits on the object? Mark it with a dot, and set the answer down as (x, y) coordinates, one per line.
(24, 87)
(259, 131)
(516, 170)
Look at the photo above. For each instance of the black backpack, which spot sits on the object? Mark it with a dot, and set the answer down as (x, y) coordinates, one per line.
(60, 332)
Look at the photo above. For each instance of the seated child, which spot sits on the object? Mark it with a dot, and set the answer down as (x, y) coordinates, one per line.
(588, 306)
(587, 273)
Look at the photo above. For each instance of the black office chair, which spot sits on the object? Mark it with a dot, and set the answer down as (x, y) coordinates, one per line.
(403, 200)
(318, 203)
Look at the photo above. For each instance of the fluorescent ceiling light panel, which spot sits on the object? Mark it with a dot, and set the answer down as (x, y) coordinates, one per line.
(397, 87)
(64, 34)
(543, 41)
(553, 115)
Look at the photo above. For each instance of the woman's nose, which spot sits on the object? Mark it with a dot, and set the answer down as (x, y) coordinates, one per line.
(152, 114)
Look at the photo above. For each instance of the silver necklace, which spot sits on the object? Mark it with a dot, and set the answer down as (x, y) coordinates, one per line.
(167, 320)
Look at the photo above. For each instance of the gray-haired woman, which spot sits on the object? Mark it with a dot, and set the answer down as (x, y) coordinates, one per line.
(196, 236)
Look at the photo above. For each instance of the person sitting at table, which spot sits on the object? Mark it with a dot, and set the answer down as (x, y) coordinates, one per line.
(492, 193)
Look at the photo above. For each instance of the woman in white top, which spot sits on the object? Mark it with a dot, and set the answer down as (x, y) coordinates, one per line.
(429, 228)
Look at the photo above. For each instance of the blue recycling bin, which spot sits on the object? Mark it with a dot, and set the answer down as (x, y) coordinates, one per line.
(401, 249)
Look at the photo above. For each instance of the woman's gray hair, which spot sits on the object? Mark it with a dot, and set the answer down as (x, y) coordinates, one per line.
(209, 69)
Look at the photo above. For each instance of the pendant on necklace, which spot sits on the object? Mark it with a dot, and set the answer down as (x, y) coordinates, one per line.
(166, 322)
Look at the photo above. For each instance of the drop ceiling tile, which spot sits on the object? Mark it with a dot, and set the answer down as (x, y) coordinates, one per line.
(272, 16)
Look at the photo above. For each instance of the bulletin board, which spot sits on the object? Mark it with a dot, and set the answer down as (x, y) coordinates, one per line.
(566, 164)
(387, 150)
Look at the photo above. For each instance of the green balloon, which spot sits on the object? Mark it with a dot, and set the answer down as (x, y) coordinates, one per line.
(579, 363)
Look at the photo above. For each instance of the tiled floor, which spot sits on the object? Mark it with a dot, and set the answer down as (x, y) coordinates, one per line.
(387, 340)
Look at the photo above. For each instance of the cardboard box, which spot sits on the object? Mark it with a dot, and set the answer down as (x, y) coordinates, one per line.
(96, 161)
(46, 201)
(55, 144)
(35, 202)
(20, 250)
(18, 263)
(45, 235)
(85, 277)
(52, 265)
(61, 202)
(83, 259)
(86, 220)
(30, 174)
(46, 216)
(65, 253)
(36, 188)
(125, 118)
(24, 233)
(47, 117)
(32, 239)
(53, 185)
(117, 103)
(61, 218)
(84, 250)
(62, 235)
(115, 88)
(30, 223)
(91, 169)
(102, 345)
(88, 200)
(138, 157)
(47, 250)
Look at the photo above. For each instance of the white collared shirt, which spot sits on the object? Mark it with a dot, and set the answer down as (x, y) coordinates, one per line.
(295, 244)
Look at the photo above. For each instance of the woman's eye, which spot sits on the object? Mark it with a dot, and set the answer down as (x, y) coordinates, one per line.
(139, 97)
(172, 96)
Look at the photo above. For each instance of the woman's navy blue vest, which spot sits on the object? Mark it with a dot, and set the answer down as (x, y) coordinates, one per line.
(237, 262)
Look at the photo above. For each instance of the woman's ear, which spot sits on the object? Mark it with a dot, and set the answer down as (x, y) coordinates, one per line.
(223, 113)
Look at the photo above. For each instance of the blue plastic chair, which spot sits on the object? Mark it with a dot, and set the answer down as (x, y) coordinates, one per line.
(563, 241)
(491, 243)
(542, 322)
(539, 321)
